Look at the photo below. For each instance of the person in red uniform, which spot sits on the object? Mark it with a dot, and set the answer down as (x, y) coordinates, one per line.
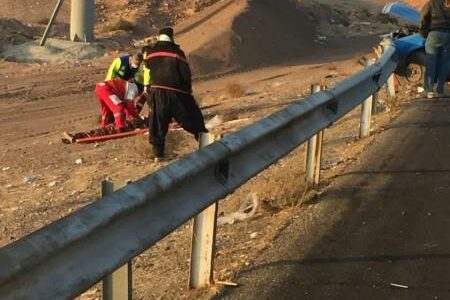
(116, 99)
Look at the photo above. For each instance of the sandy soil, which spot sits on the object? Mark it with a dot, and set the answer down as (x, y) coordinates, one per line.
(40, 180)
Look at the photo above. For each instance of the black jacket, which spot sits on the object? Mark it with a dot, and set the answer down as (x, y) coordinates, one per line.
(434, 16)
(169, 67)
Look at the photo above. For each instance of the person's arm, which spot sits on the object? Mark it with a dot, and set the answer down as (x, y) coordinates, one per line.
(113, 69)
(425, 20)
(140, 102)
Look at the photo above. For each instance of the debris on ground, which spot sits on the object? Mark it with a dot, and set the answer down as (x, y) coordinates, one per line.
(399, 286)
(28, 179)
(246, 211)
(53, 183)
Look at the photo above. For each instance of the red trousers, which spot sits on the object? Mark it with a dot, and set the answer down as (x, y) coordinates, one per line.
(114, 106)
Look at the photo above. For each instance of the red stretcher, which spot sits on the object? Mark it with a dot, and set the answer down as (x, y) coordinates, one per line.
(111, 136)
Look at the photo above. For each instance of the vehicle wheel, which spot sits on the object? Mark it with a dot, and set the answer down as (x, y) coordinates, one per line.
(415, 69)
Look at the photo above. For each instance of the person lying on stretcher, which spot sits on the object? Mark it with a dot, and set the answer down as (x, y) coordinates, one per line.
(109, 129)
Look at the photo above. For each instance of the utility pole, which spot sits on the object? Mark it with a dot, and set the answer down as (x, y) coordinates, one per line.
(82, 20)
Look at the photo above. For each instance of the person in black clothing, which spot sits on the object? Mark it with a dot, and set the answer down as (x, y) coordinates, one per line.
(435, 27)
(170, 92)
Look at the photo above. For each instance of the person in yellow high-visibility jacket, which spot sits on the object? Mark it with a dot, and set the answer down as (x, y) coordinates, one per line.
(130, 68)
(125, 67)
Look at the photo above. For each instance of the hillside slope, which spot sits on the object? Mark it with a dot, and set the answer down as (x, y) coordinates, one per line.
(242, 35)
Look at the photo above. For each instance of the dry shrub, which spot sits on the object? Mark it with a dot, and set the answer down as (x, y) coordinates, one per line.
(120, 24)
(234, 90)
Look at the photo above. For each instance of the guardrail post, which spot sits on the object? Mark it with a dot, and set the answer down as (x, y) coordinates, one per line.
(375, 103)
(390, 85)
(118, 285)
(82, 20)
(366, 117)
(203, 237)
(366, 112)
(314, 151)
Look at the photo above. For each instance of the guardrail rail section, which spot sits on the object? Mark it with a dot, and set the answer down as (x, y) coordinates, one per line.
(67, 257)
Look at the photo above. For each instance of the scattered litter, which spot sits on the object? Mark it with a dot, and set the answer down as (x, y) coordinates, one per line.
(227, 283)
(331, 165)
(79, 161)
(399, 286)
(5, 168)
(246, 211)
(237, 121)
(28, 179)
(420, 89)
(214, 122)
(52, 184)
(254, 235)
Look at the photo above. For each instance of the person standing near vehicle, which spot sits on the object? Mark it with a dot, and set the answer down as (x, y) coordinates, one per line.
(435, 27)
(170, 92)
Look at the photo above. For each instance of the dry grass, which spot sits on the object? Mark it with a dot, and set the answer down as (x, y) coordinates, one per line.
(234, 90)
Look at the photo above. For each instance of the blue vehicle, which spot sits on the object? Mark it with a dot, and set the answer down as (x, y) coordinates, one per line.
(409, 43)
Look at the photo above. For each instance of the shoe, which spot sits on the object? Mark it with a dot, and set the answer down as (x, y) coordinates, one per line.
(159, 159)
(430, 95)
(67, 138)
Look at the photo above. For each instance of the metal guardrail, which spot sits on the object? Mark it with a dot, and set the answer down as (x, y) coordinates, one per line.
(65, 258)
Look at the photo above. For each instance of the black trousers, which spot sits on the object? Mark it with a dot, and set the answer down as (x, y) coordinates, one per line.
(166, 105)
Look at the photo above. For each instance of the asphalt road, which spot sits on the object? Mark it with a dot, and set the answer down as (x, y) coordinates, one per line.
(386, 221)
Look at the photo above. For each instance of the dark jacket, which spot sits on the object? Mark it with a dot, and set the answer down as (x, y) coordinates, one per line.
(169, 68)
(434, 16)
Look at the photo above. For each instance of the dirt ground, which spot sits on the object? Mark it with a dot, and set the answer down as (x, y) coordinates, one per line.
(42, 180)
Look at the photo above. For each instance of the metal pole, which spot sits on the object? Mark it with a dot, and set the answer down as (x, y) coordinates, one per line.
(366, 116)
(118, 285)
(390, 86)
(314, 151)
(203, 237)
(50, 22)
(375, 103)
(82, 20)
(366, 112)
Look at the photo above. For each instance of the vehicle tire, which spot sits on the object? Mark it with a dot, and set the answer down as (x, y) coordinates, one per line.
(415, 67)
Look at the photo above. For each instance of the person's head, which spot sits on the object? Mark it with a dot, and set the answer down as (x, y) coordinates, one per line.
(165, 35)
(136, 60)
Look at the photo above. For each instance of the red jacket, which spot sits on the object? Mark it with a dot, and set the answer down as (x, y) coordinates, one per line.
(123, 89)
